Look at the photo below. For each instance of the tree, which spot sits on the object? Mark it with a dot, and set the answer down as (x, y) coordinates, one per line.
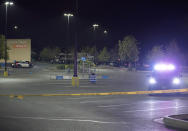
(54, 52)
(170, 53)
(114, 54)
(93, 52)
(34, 55)
(44, 54)
(2, 46)
(49, 53)
(103, 56)
(86, 50)
(128, 50)
(156, 54)
(173, 52)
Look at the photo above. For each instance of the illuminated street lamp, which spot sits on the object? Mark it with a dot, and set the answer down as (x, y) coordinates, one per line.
(15, 27)
(7, 4)
(68, 15)
(95, 26)
(105, 32)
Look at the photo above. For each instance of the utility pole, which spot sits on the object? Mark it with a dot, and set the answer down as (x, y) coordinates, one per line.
(7, 4)
(75, 78)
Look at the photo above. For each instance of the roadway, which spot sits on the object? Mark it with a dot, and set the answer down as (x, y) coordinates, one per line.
(84, 113)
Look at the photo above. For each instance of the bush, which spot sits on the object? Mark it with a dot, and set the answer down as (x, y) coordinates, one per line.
(71, 66)
(66, 66)
(61, 67)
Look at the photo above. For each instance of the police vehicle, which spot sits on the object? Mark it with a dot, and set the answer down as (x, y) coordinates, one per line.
(165, 76)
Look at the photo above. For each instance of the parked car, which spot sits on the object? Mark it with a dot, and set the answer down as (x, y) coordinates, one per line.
(22, 64)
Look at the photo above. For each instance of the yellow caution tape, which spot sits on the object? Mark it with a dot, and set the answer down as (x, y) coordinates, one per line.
(20, 96)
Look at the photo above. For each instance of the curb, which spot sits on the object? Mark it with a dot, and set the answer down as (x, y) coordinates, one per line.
(176, 121)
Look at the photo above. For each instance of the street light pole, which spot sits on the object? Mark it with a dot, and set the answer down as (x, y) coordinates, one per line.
(95, 26)
(68, 15)
(7, 4)
(75, 78)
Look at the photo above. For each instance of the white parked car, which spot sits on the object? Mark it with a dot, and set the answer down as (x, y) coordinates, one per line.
(22, 64)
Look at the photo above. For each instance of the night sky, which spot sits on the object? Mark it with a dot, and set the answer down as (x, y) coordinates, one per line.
(150, 21)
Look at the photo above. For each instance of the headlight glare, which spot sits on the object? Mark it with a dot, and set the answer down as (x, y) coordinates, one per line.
(152, 81)
(176, 81)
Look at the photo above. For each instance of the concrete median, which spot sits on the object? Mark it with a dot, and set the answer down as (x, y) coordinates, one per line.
(177, 121)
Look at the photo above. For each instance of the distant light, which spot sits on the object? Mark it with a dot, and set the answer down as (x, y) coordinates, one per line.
(69, 14)
(176, 81)
(95, 25)
(152, 81)
(105, 32)
(15, 27)
(8, 3)
(11, 3)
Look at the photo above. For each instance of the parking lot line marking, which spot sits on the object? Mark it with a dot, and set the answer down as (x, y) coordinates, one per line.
(81, 85)
(113, 105)
(67, 119)
(59, 83)
(84, 102)
(174, 107)
(81, 98)
(104, 93)
(117, 105)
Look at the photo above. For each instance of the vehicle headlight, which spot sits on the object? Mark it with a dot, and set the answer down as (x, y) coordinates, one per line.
(152, 80)
(176, 81)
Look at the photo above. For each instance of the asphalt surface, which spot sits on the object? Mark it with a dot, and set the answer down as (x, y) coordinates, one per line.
(84, 113)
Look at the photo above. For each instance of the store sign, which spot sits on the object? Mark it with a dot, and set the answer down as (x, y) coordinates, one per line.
(83, 58)
(19, 46)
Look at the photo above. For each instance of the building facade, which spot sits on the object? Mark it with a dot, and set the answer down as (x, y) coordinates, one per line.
(18, 50)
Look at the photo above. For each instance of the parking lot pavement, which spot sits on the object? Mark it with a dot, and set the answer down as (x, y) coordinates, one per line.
(84, 113)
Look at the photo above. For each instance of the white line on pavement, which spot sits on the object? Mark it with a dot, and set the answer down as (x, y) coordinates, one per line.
(69, 85)
(84, 102)
(66, 119)
(114, 105)
(59, 83)
(148, 102)
(81, 98)
(174, 107)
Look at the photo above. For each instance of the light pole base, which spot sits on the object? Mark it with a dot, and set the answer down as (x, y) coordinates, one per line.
(75, 81)
(5, 73)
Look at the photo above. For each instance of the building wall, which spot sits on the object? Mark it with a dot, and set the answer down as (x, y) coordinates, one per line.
(19, 50)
